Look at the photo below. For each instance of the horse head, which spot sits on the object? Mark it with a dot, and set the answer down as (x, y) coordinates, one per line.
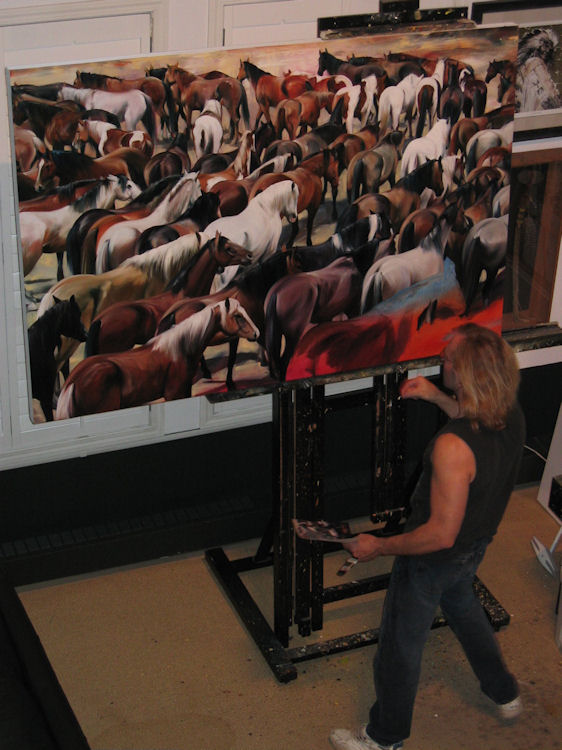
(228, 253)
(235, 321)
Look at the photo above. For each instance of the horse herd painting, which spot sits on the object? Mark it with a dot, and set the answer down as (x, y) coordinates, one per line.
(222, 221)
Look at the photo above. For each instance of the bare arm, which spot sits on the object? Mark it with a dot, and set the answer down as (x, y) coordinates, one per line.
(422, 388)
(453, 469)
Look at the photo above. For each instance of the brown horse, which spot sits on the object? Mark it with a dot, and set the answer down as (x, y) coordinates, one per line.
(347, 145)
(106, 138)
(193, 91)
(125, 324)
(60, 131)
(356, 73)
(163, 368)
(302, 112)
(269, 90)
(295, 302)
(62, 167)
(370, 169)
(58, 197)
(174, 160)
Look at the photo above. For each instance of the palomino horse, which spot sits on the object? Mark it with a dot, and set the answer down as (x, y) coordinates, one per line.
(163, 368)
(44, 336)
(207, 129)
(149, 85)
(46, 230)
(484, 249)
(131, 107)
(117, 241)
(269, 90)
(125, 324)
(105, 138)
(370, 169)
(258, 227)
(194, 91)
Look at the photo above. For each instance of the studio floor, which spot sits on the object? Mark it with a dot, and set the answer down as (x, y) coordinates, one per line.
(154, 657)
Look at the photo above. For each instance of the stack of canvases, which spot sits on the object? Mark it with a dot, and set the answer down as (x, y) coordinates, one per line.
(172, 201)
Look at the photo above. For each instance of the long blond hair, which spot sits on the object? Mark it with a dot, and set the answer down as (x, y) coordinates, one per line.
(488, 373)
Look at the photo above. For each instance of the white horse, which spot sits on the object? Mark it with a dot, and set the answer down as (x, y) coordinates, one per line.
(207, 129)
(500, 202)
(117, 242)
(430, 146)
(395, 100)
(393, 273)
(481, 141)
(353, 94)
(258, 227)
(131, 107)
(46, 231)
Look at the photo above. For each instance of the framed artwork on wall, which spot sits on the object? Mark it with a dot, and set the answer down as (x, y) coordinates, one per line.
(227, 220)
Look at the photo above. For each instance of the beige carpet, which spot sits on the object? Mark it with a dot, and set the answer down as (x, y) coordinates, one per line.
(155, 658)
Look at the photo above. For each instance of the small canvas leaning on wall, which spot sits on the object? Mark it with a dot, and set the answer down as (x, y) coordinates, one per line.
(222, 221)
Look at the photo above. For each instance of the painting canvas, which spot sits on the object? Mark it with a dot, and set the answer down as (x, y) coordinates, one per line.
(220, 221)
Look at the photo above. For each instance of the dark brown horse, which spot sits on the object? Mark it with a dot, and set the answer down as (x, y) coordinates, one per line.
(172, 161)
(370, 169)
(193, 91)
(334, 65)
(63, 167)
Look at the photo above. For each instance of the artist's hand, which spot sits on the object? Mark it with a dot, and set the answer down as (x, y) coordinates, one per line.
(364, 547)
(419, 387)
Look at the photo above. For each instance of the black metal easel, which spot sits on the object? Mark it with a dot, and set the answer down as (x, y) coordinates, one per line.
(299, 594)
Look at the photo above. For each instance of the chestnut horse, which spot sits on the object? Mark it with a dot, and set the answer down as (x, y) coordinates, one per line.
(163, 368)
(269, 89)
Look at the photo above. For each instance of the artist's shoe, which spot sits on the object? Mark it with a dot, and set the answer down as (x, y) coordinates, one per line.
(358, 739)
(512, 710)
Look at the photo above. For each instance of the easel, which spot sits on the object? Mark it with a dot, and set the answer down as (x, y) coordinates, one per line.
(299, 594)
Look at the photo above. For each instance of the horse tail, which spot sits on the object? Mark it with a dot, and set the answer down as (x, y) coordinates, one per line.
(272, 337)
(407, 239)
(471, 268)
(479, 99)
(372, 293)
(92, 341)
(65, 404)
(148, 119)
(423, 106)
(281, 122)
(357, 179)
(73, 250)
(244, 106)
(102, 257)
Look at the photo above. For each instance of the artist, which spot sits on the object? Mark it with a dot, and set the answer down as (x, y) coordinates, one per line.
(469, 471)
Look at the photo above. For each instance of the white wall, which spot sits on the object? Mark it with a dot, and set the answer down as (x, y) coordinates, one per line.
(176, 25)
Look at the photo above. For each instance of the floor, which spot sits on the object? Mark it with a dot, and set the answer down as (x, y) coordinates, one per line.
(155, 658)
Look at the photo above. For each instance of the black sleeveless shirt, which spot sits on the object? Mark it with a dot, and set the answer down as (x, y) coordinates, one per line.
(497, 455)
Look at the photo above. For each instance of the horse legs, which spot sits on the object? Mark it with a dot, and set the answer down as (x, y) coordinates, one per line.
(60, 268)
(206, 373)
(232, 352)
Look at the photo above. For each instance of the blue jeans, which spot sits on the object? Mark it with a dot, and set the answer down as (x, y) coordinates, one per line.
(417, 586)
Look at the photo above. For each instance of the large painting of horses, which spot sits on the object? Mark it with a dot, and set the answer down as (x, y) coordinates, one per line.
(222, 221)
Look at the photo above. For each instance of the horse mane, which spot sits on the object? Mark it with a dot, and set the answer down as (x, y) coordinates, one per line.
(167, 261)
(188, 337)
(89, 199)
